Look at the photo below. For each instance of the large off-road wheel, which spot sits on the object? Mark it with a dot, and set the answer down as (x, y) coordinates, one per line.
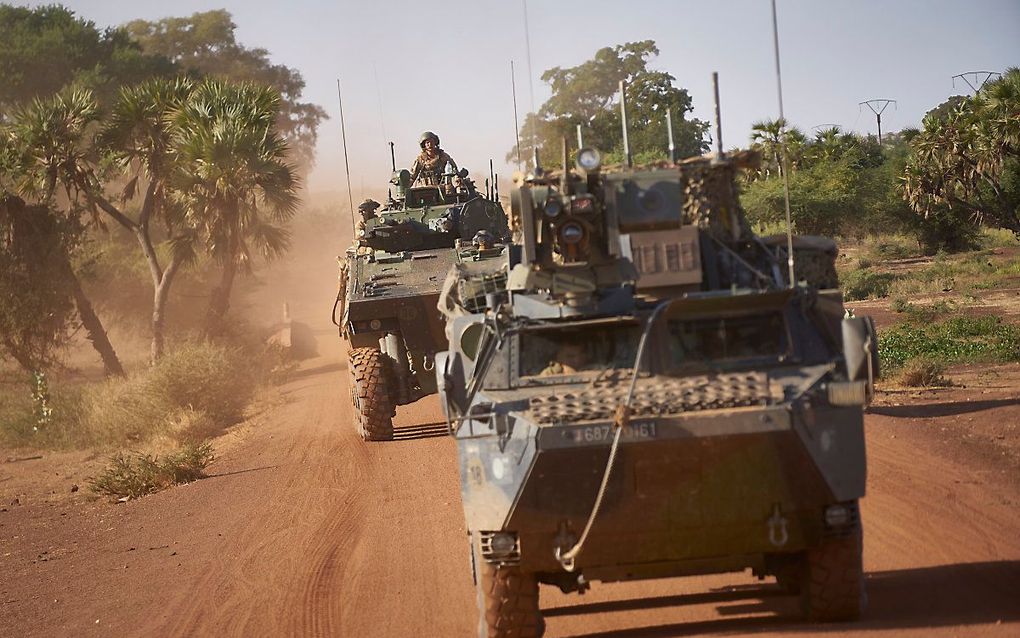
(370, 393)
(832, 588)
(507, 602)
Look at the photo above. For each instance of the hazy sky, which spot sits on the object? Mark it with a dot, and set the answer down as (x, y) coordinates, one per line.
(409, 66)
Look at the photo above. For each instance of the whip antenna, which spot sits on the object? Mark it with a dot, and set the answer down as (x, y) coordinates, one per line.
(347, 166)
(623, 122)
(669, 134)
(531, 84)
(782, 146)
(718, 117)
(517, 134)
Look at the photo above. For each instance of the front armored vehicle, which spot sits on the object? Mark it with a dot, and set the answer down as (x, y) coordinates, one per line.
(389, 283)
(637, 391)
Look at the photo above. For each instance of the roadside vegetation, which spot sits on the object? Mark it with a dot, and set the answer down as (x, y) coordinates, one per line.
(141, 168)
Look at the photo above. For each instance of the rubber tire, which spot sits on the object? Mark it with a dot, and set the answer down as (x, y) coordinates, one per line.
(832, 588)
(370, 393)
(788, 576)
(507, 602)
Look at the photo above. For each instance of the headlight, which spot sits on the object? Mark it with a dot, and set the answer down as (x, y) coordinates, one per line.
(553, 207)
(572, 233)
(588, 159)
(502, 544)
(837, 515)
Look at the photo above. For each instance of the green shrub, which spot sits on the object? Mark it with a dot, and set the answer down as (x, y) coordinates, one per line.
(887, 247)
(923, 313)
(863, 283)
(200, 378)
(954, 340)
(132, 476)
(205, 377)
(997, 238)
(195, 391)
(19, 424)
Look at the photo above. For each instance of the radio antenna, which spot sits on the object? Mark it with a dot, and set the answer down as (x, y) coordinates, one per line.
(393, 159)
(719, 154)
(669, 132)
(517, 134)
(623, 118)
(782, 146)
(347, 166)
(531, 82)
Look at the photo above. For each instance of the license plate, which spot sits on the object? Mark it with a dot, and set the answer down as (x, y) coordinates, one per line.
(604, 433)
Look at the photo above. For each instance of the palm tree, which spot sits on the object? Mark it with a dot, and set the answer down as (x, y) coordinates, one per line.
(233, 178)
(138, 136)
(768, 136)
(53, 149)
(999, 103)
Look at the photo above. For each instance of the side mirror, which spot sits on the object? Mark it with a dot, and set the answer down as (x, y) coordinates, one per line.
(860, 351)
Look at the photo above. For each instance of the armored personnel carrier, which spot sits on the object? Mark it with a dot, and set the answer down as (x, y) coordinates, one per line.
(638, 391)
(389, 283)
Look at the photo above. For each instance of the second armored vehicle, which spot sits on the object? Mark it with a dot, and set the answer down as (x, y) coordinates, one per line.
(637, 391)
(389, 284)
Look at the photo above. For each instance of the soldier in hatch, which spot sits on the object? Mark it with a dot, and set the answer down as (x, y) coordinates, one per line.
(367, 211)
(429, 166)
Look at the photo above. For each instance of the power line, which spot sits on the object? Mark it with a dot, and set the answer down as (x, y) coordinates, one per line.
(878, 106)
(980, 78)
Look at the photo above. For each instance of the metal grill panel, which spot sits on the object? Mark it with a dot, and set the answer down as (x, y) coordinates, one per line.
(657, 397)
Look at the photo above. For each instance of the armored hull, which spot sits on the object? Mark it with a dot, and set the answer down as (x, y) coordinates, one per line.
(400, 292)
(691, 490)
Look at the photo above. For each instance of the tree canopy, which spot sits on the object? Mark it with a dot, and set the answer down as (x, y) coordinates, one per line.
(967, 156)
(46, 49)
(587, 94)
(205, 43)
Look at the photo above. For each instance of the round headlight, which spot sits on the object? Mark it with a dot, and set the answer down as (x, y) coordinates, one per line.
(553, 206)
(503, 544)
(571, 233)
(588, 159)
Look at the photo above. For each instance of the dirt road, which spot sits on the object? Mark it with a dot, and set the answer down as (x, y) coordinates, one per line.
(305, 531)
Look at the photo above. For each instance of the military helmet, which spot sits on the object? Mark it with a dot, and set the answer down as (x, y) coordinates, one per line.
(428, 135)
(368, 206)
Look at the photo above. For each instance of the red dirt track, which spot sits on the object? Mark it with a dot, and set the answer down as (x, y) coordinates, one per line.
(305, 531)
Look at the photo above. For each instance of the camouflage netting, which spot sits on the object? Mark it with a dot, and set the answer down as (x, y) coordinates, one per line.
(712, 200)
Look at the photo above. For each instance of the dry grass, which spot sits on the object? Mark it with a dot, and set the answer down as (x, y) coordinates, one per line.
(131, 476)
(923, 372)
(193, 393)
